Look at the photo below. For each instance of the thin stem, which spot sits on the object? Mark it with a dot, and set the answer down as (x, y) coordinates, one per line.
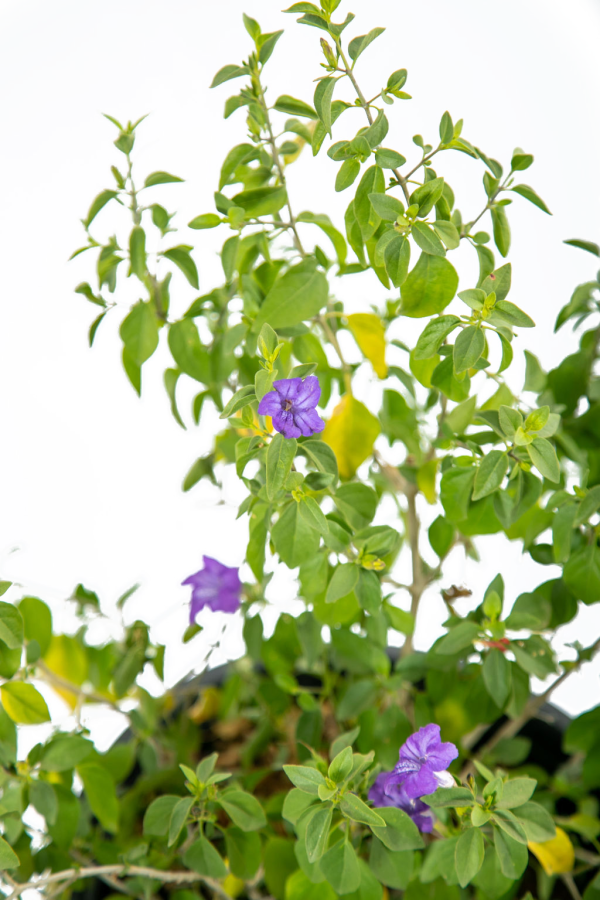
(332, 338)
(533, 705)
(279, 166)
(64, 684)
(67, 875)
(418, 585)
(424, 160)
(366, 106)
(571, 886)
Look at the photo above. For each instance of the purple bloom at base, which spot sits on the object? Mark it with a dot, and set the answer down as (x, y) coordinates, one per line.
(216, 586)
(384, 794)
(424, 759)
(292, 406)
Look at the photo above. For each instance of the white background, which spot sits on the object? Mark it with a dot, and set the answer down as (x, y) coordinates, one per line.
(91, 475)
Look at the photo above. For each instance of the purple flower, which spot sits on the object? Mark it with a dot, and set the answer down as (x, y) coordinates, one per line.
(216, 586)
(292, 406)
(423, 763)
(384, 794)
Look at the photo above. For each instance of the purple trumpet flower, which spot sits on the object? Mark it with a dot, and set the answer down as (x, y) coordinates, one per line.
(216, 586)
(384, 794)
(292, 406)
(424, 759)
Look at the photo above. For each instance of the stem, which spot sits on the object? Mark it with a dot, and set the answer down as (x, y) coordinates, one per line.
(180, 877)
(425, 159)
(279, 166)
(64, 684)
(366, 106)
(533, 705)
(571, 886)
(332, 338)
(418, 582)
(137, 216)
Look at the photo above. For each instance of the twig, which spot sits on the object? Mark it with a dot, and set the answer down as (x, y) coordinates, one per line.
(533, 705)
(571, 886)
(180, 877)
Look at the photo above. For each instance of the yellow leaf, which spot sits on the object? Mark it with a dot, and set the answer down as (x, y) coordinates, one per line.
(351, 432)
(23, 703)
(368, 333)
(426, 479)
(557, 855)
(233, 885)
(206, 707)
(67, 659)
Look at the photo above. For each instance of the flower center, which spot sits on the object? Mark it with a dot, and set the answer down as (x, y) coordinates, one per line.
(287, 405)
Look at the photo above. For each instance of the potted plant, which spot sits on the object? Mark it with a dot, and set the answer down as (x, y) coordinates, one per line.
(323, 765)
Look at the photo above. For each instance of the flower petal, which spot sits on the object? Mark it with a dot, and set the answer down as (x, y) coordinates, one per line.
(310, 393)
(283, 421)
(270, 404)
(421, 743)
(288, 388)
(308, 421)
(420, 783)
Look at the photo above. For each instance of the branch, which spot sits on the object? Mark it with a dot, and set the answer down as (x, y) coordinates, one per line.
(533, 705)
(366, 106)
(278, 164)
(180, 877)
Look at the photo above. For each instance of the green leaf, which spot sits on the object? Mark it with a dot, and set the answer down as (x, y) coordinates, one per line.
(343, 582)
(317, 832)
(490, 473)
(243, 852)
(262, 201)
(445, 798)
(65, 752)
(468, 347)
(386, 206)
(389, 159)
(588, 506)
(299, 886)
(189, 354)
(434, 335)
(99, 203)
(171, 377)
(160, 178)
(426, 196)
(535, 821)
(208, 220)
(313, 515)
(358, 504)
(458, 638)
(158, 815)
(296, 803)
(468, 855)
(501, 230)
(202, 857)
(139, 332)
(543, 456)
(441, 536)
(43, 797)
(582, 574)
(400, 832)
(396, 257)
(244, 809)
(509, 824)
(267, 45)
(305, 778)
(11, 625)
(512, 855)
(322, 101)
(446, 128)
(298, 295)
(293, 107)
(240, 399)
(280, 457)
(448, 233)
(340, 867)
(8, 857)
(516, 792)
(324, 223)
(520, 161)
(354, 808)
(589, 246)
(426, 238)
(429, 287)
(181, 257)
(227, 73)
(372, 182)
(444, 378)
(341, 765)
(512, 315)
(455, 491)
(24, 704)
(525, 191)
(359, 44)
(99, 788)
(294, 539)
(347, 174)
(531, 611)
(497, 677)
(392, 869)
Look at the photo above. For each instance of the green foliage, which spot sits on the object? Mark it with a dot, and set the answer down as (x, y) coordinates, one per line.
(306, 724)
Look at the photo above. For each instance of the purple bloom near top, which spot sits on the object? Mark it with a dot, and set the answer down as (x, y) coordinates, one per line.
(292, 404)
(384, 794)
(424, 759)
(216, 586)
